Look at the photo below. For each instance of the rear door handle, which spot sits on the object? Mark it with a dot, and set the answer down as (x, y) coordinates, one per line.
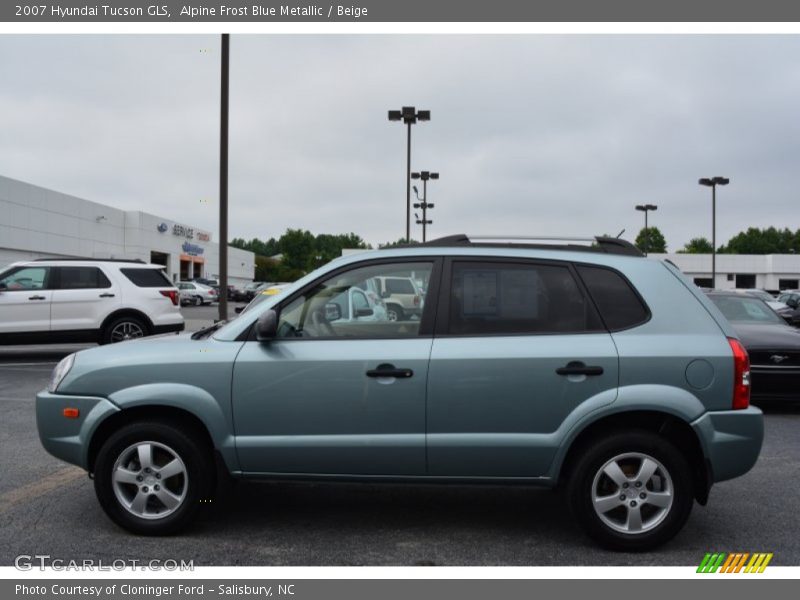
(578, 368)
(387, 370)
(106, 295)
(37, 298)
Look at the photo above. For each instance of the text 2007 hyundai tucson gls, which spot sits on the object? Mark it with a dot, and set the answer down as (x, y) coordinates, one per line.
(590, 368)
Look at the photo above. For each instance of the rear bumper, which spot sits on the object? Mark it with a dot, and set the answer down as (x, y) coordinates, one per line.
(169, 328)
(731, 441)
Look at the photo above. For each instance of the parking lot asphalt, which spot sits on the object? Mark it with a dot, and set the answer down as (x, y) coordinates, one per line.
(48, 507)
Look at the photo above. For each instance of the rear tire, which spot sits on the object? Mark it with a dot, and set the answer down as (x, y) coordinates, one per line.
(631, 491)
(394, 313)
(151, 477)
(198, 301)
(124, 328)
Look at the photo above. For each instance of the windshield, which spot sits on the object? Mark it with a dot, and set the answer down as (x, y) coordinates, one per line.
(257, 299)
(745, 310)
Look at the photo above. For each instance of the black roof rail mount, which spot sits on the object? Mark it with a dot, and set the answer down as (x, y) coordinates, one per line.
(604, 244)
(78, 259)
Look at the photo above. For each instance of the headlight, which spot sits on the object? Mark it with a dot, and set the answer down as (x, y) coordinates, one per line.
(60, 372)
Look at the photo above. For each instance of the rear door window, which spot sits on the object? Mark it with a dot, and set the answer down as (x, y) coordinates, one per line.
(81, 278)
(498, 298)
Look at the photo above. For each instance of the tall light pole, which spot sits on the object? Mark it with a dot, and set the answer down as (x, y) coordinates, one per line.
(645, 208)
(409, 115)
(424, 204)
(223, 179)
(713, 182)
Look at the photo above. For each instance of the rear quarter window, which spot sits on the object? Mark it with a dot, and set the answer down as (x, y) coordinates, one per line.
(147, 278)
(619, 304)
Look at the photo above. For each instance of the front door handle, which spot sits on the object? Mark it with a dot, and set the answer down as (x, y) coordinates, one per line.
(387, 370)
(578, 368)
(106, 295)
(37, 298)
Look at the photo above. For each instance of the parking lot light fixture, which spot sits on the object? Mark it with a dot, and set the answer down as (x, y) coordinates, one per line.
(424, 176)
(713, 182)
(645, 208)
(409, 115)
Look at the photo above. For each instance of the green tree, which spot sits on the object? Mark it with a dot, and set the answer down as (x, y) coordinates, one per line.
(696, 246)
(763, 241)
(655, 240)
(400, 242)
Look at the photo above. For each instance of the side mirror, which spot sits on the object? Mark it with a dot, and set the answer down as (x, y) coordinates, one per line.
(333, 312)
(364, 312)
(267, 326)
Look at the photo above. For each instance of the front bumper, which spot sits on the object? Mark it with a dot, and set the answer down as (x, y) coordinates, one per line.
(68, 439)
(731, 441)
(779, 383)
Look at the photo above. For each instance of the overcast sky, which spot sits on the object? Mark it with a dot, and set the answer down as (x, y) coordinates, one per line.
(532, 134)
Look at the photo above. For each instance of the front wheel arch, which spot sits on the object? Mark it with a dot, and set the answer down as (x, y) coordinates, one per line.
(124, 417)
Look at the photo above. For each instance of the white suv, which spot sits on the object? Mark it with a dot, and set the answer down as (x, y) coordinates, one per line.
(85, 300)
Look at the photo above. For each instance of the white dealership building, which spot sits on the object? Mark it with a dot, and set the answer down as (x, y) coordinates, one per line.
(771, 272)
(36, 222)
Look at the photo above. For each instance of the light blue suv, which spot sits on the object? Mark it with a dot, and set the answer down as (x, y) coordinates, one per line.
(588, 368)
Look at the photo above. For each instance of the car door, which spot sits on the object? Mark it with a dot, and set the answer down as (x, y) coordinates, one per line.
(518, 347)
(25, 300)
(333, 396)
(82, 298)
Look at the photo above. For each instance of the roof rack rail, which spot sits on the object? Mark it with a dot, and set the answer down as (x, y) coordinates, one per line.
(77, 258)
(609, 245)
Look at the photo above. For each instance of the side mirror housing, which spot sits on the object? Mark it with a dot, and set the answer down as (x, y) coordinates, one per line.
(267, 326)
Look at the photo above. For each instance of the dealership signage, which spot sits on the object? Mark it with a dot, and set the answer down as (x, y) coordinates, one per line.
(182, 231)
(192, 249)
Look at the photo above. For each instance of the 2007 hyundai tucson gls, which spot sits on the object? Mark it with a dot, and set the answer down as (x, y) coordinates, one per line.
(589, 368)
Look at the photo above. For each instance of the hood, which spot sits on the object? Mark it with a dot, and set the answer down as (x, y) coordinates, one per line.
(768, 336)
(104, 370)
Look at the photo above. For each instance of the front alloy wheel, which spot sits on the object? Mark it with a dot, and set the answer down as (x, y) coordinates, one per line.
(150, 480)
(151, 476)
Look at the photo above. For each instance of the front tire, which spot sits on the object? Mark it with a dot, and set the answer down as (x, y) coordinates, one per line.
(150, 477)
(394, 313)
(631, 491)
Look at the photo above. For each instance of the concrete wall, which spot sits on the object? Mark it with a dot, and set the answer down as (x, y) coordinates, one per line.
(36, 222)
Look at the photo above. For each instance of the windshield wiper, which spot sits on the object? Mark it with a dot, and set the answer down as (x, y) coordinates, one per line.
(206, 331)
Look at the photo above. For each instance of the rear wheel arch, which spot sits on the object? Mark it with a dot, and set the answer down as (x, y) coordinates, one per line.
(672, 428)
(127, 312)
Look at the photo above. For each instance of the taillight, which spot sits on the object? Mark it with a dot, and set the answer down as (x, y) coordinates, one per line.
(171, 294)
(213, 292)
(741, 375)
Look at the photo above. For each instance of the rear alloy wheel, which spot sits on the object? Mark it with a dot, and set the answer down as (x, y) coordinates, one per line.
(631, 491)
(394, 313)
(150, 477)
(124, 328)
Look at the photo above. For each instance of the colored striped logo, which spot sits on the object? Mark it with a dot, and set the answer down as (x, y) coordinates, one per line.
(734, 562)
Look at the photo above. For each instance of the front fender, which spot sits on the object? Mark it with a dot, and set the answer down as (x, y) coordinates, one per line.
(664, 399)
(192, 399)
